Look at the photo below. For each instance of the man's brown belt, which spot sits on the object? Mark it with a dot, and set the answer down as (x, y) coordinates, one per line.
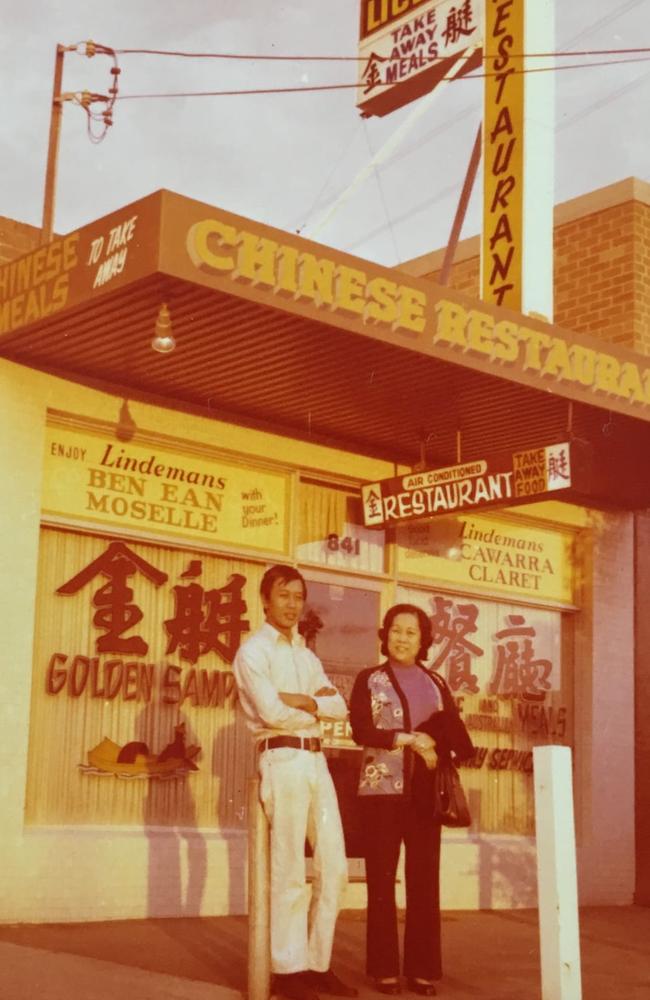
(311, 743)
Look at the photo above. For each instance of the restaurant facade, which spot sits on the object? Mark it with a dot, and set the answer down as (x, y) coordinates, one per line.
(146, 492)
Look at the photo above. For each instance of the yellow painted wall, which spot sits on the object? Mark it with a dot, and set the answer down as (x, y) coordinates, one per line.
(59, 873)
(68, 873)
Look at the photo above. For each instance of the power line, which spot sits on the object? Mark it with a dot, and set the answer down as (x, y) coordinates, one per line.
(356, 86)
(252, 57)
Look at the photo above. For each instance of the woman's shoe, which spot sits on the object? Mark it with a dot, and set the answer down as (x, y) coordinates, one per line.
(422, 986)
(390, 986)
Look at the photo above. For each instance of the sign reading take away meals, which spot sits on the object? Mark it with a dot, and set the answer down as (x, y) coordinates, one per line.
(406, 47)
(507, 479)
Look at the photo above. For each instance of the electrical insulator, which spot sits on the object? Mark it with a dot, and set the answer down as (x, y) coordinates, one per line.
(91, 49)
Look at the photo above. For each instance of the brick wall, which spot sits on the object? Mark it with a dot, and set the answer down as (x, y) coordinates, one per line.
(16, 239)
(604, 711)
(601, 265)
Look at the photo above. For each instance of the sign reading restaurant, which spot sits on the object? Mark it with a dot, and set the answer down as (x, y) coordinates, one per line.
(517, 477)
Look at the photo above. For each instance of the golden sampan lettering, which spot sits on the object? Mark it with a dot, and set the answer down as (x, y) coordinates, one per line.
(475, 332)
(218, 248)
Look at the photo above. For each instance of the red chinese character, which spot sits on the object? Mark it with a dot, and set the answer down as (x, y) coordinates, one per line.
(456, 647)
(371, 73)
(207, 620)
(458, 24)
(517, 674)
(558, 465)
(115, 614)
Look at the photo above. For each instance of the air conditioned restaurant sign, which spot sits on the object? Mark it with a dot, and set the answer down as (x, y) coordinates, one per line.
(518, 477)
(187, 240)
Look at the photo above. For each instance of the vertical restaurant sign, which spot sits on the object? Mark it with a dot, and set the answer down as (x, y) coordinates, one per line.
(407, 46)
(503, 142)
(504, 480)
(91, 476)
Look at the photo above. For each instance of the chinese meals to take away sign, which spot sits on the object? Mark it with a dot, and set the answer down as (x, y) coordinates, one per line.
(407, 46)
(156, 489)
(516, 477)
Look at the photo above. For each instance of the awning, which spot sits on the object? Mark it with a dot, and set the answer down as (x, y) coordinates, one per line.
(276, 331)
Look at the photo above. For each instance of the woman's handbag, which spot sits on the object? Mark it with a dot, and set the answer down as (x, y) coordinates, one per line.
(450, 804)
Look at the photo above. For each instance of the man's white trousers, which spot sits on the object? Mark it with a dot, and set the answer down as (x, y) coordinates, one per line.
(300, 802)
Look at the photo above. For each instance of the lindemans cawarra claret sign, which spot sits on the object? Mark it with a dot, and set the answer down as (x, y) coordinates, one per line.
(507, 479)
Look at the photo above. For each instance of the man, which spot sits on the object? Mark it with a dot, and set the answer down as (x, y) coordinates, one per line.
(283, 691)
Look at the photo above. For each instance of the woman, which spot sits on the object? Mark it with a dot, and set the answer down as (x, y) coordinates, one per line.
(405, 718)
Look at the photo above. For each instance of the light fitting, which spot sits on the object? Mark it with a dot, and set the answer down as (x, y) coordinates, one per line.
(163, 341)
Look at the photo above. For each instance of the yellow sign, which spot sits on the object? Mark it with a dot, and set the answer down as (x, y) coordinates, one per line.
(156, 490)
(513, 345)
(503, 146)
(216, 247)
(489, 554)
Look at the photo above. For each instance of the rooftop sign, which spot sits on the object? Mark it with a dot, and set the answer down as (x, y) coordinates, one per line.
(407, 46)
(503, 480)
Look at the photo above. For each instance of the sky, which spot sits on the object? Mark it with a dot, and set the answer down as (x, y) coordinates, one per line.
(286, 159)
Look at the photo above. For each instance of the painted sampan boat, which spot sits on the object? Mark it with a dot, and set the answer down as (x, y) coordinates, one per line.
(105, 757)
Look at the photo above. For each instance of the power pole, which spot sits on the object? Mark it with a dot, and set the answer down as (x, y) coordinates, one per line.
(47, 227)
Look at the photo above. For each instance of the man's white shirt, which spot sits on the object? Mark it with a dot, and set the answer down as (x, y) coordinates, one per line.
(268, 663)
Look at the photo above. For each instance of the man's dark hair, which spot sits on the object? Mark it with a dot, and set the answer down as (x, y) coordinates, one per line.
(284, 573)
(426, 633)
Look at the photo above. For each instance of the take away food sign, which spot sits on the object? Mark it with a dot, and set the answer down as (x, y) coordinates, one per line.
(407, 46)
(503, 480)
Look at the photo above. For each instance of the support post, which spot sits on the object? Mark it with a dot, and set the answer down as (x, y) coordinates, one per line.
(259, 904)
(47, 227)
(557, 887)
(461, 209)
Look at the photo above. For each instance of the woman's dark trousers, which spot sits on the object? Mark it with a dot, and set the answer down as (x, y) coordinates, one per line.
(387, 821)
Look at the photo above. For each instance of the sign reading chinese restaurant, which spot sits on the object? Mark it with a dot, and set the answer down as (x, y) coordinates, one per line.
(407, 46)
(93, 477)
(192, 242)
(517, 477)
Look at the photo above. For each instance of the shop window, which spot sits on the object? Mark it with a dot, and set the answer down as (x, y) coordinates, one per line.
(340, 624)
(133, 718)
(509, 671)
(331, 530)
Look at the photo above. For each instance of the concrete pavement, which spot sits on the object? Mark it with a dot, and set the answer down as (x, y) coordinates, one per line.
(487, 954)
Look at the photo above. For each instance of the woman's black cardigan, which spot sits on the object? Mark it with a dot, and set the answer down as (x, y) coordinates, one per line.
(446, 727)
